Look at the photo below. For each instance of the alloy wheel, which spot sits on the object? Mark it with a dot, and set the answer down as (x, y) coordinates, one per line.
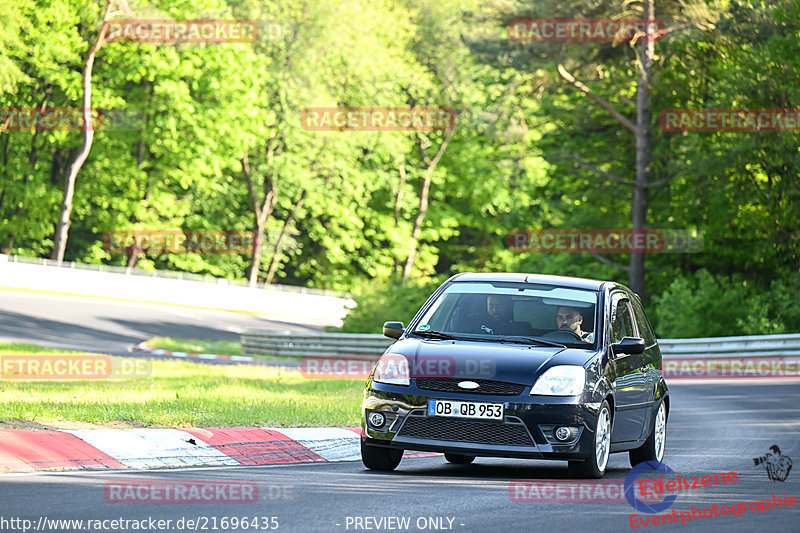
(660, 432)
(602, 439)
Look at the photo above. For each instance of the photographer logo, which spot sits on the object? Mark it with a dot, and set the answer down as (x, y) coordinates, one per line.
(777, 465)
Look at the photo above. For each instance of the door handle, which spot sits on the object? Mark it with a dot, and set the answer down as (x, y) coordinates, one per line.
(644, 369)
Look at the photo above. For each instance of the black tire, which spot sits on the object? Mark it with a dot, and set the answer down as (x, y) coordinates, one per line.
(458, 459)
(379, 458)
(652, 450)
(590, 468)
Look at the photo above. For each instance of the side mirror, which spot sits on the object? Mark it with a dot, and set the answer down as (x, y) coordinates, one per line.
(393, 330)
(628, 345)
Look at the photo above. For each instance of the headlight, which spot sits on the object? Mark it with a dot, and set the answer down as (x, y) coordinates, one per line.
(392, 368)
(564, 380)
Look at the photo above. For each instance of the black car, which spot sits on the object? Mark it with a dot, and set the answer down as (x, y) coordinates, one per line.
(523, 366)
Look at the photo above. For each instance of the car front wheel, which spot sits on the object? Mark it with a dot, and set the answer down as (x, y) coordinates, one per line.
(595, 465)
(653, 447)
(379, 458)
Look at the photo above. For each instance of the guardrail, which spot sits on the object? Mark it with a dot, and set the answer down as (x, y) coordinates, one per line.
(371, 346)
(344, 345)
(744, 346)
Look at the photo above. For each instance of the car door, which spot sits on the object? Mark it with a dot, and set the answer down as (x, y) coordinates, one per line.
(630, 381)
(652, 354)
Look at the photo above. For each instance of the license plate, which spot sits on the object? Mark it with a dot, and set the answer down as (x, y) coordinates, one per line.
(488, 411)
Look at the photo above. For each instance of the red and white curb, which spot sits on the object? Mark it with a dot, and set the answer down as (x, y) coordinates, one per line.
(143, 347)
(153, 448)
(28, 450)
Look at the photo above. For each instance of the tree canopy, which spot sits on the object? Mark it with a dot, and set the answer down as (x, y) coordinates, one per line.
(209, 136)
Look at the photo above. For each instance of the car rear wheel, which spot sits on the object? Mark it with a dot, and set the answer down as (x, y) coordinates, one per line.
(379, 458)
(458, 459)
(653, 447)
(595, 465)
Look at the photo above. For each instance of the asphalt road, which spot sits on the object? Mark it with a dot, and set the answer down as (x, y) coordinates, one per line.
(716, 428)
(111, 327)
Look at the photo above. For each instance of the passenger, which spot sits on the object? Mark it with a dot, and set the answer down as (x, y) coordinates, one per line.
(500, 317)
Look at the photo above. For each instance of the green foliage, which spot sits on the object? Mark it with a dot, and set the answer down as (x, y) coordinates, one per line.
(704, 305)
(388, 300)
(346, 202)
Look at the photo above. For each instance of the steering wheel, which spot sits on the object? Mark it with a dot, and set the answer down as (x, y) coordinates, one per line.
(559, 334)
(470, 323)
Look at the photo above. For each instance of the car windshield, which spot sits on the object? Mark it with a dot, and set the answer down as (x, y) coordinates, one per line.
(513, 312)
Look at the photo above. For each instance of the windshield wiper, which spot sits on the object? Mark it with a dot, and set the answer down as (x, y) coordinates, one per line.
(430, 334)
(529, 340)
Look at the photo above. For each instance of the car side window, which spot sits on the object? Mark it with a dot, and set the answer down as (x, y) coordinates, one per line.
(644, 324)
(621, 322)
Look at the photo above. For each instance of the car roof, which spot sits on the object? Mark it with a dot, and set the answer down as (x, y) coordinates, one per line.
(562, 281)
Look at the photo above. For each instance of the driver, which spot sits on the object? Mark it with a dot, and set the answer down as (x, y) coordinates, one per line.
(570, 319)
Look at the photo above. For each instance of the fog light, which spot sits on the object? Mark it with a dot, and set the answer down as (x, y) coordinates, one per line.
(563, 433)
(376, 420)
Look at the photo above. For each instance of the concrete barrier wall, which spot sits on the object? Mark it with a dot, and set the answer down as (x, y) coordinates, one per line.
(273, 302)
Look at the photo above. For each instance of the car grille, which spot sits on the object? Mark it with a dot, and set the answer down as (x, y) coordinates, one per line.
(486, 386)
(470, 431)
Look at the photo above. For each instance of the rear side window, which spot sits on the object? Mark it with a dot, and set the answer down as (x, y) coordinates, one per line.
(644, 324)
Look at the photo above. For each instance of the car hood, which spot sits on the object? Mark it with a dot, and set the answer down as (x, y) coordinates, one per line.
(510, 362)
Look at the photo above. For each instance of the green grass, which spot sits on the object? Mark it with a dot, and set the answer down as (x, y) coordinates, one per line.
(184, 394)
(212, 347)
(196, 346)
(31, 349)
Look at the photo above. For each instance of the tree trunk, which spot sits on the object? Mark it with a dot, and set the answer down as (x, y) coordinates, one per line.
(261, 211)
(639, 204)
(423, 200)
(276, 254)
(62, 227)
(398, 200)
(642, 132)
(133, 257)
(5, 248)
(255, 257)
(420, 218)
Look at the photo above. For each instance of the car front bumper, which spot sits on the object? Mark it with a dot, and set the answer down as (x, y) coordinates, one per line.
(525, 432)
